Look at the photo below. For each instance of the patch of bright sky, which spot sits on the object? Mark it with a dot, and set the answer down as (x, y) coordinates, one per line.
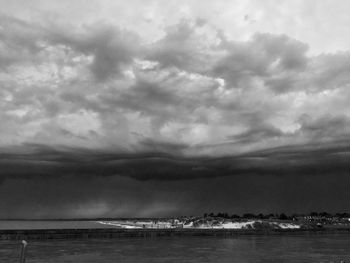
(322, 24)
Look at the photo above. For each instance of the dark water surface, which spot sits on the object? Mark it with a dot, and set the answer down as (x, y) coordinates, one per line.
(51, 224)
(240, 249)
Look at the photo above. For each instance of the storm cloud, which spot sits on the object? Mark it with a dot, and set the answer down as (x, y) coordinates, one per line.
(63, 182)
(152, 99)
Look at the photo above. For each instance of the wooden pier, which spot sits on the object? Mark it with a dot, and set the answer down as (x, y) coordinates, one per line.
(42, 234)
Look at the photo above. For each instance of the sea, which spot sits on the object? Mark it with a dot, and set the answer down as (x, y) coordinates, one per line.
(288, 248)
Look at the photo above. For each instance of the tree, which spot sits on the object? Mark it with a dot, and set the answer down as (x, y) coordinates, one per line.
(283, 216)
(313, 214)
(261, 216)
(325, 214)
(249, 216)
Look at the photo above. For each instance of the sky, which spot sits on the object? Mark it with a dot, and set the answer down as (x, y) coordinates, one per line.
(167, 108)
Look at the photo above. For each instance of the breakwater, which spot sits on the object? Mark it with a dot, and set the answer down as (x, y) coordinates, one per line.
(42, 234)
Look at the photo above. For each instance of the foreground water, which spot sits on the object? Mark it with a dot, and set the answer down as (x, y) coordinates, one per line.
(241, 249)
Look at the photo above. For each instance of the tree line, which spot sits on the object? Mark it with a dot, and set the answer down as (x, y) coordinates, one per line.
(281, 216)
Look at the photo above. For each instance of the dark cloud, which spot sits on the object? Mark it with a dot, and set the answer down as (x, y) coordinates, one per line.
(148, 98)
(40, 181)
(112, 48)
(264, 56)
(289, 53)
(18, 41)
(157, 163)
(181, 48)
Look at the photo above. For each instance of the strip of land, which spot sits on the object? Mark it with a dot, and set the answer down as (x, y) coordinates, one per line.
(208, 225)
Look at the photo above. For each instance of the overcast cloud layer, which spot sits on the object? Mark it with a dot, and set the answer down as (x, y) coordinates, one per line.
(134, 99)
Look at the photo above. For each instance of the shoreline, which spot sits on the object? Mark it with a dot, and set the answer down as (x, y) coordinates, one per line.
(45, 234)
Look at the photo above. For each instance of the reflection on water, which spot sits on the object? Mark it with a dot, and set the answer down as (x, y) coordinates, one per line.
(242, 249)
